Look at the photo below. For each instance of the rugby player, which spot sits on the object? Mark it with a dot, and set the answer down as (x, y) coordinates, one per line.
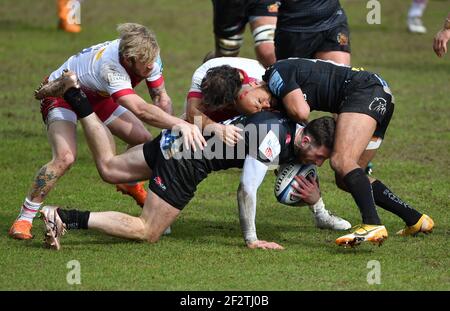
(214, 96)
(230, 18)
(107, 73)
(312, 29)
(174, 172)
(364, 104)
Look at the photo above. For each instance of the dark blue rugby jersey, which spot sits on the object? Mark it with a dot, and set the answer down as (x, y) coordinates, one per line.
(323, 83)
(309, 15)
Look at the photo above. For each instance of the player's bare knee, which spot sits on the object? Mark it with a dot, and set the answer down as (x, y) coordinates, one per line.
(337, 162)
(63, 161)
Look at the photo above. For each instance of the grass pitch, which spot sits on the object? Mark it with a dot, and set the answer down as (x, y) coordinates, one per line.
(206, 250)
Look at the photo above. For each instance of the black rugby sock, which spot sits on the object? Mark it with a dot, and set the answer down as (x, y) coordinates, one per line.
(358, 185)
(74, 219)
(78, 101)
(386, 199)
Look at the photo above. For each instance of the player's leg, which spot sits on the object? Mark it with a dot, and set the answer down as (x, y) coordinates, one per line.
(353, 133)
(335, 56)
(130, 129)
(64, 15)
(62, 138)
(156, 216)
(229, 25)
(263, 31)
(415, 13)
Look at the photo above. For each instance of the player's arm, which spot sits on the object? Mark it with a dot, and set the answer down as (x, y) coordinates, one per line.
(160, 98)
(252, 176)
(296, 106)
(229, 134)
(155, 116)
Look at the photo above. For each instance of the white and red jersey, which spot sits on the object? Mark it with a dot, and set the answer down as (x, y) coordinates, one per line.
(250, 69)
(99, 70)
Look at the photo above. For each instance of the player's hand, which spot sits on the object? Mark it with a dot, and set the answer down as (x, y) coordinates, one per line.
(440, 42)
(229, 134)
(264, 245)
(192, 136)
(307, 190)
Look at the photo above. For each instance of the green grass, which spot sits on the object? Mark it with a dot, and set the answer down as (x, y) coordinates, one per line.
(205, 250)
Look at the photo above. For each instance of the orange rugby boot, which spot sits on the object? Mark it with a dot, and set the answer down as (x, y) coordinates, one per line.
(136, 191)
(424, 225)
(375, 234)
(63, 14)
(21, 230)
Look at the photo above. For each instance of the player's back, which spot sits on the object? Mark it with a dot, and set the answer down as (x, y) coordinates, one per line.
(94, 65)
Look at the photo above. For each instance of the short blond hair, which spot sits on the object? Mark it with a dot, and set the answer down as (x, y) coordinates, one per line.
(137, 42)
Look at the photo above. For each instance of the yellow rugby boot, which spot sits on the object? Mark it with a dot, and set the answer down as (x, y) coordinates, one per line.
(375, 234)
(425, 225)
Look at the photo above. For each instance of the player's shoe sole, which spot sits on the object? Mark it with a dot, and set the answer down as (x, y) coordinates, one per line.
(424, 225)
(54, 227)
(57, 87)
(21, 230)
(375, 234)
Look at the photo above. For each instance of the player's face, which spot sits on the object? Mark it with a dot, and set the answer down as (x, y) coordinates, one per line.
(253, 99)
(310, 154)
(141, 69)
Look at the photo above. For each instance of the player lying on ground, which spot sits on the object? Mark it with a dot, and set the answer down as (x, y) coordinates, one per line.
(175, 172)
(364, 104)
(214, 96)
(107, 73)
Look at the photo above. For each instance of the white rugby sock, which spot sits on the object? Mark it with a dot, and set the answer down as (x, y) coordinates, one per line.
(29, 210)
(417, 8)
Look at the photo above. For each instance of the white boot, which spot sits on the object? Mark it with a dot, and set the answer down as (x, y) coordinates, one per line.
(325, 220)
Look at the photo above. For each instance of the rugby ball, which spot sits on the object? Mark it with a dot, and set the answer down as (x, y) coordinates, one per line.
(285, 180)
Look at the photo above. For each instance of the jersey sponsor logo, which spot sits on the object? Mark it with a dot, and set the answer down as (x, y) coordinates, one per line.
(270, 146)
(378, 105)
(159, 182)
(276, 83)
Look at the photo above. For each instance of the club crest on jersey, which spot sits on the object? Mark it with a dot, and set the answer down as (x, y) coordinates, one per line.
(273, 8)
(342, 39)
(378, 105)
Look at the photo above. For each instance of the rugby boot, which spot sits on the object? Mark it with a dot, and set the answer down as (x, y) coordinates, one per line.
(136, 191)
(326, 220)
(54, 227)
(375, 234)
(425, 225)
(415, 25)
(57, 87)
(21, 230)
(63, 14)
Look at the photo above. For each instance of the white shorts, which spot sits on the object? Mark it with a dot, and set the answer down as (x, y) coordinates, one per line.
(64, 114)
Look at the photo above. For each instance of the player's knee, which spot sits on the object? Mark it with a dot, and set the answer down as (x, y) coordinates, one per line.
(337, 162)
(229, 46)
(151, 236)
(107, 174)
(63, 161)
(263, 37)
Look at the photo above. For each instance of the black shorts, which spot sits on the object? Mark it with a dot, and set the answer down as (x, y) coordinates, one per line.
(307, 44)
(231, 16)
(174, 181)
(369, 94)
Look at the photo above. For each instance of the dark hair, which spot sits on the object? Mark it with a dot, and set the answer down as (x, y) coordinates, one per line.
(220, 86)
(321, 130)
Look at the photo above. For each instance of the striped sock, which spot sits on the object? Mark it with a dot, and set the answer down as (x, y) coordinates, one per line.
(29, 210)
